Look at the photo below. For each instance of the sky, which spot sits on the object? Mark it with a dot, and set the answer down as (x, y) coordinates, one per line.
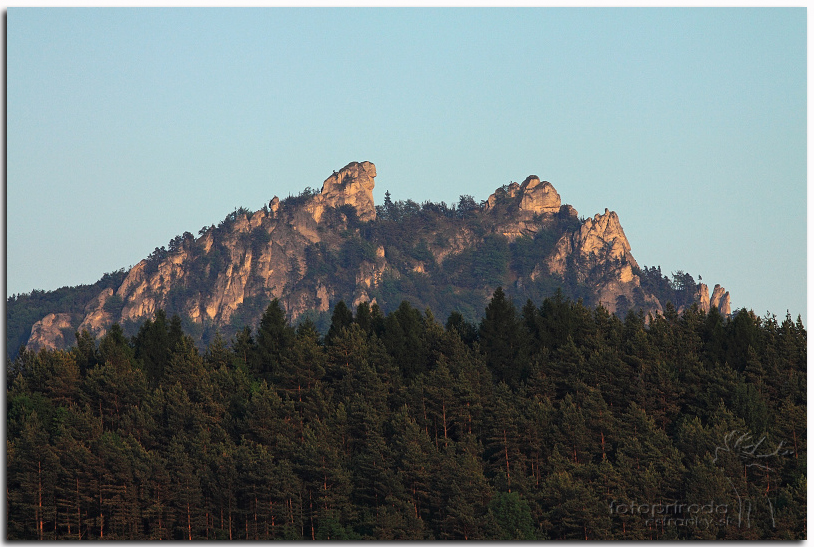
(127, 127)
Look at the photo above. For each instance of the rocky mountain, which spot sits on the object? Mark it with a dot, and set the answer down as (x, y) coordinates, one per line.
(313, 250)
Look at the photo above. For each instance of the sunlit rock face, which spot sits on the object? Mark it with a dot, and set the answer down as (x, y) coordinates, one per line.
(702, 297)
(258, 254)
(533, 197)
(352, 185)
(720, 300)
(48, 332)
(538, 196)
(601, 237)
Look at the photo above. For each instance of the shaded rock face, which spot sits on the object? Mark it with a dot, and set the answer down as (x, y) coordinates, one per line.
(255, 257)
(621, 285)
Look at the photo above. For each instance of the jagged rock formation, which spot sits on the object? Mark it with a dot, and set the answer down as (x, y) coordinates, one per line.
(353, 186)
(599, 238)
(720, 300)
(50, 332)
(535, 196)
(286, 233)
(313, 250)
(97, 318)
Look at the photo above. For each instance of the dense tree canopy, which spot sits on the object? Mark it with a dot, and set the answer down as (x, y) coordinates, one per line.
(553, 421)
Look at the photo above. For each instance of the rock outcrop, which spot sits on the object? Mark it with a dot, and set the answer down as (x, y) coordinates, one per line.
(238, 267)
(720, 300)
(618, 291)
(532, 197)
(50, 332)
(702, 297)
(97, 319)
(599, 238)
(352, 185)
(291, 249)
(523, 209)
(538, 196)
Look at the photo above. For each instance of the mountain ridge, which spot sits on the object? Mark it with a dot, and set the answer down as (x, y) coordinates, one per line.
(313, 250)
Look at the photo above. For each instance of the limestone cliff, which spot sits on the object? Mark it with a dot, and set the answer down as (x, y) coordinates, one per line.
(232, 260)
(531, 197)
(312, 250)
(54, 331)
(599, 238)
(352, 185)
(720, 300)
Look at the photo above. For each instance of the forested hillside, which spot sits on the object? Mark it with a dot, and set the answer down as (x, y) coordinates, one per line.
(552, 421)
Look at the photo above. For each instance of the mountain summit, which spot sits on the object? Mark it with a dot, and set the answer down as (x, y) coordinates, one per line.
(313, 250)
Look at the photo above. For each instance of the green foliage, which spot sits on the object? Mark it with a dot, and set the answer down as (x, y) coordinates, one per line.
(275, 338)
(502, 339)
(303, 197)
(354, 251)
(114, 305)
(528, 252)
(341, 319)
(545, 423)
(482, 266)
(513, 516)
(679, 291)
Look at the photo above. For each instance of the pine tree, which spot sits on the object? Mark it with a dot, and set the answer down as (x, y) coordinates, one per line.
(245, 351)
(415, 460)
(304, 364)
(464, 490)
(363, 317)
(32, 474)
(342, 318)
(85, 352)
(275, 337)
(151, 345)
(404, 340)
(501, 340)
(513, 517)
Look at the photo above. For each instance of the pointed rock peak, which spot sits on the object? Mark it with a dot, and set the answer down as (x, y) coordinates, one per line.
(720, 300)
(604, 233)
(351, 185)
(606, 223)
(702, 296)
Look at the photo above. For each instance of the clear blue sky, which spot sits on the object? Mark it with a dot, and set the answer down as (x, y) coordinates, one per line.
(127, 127)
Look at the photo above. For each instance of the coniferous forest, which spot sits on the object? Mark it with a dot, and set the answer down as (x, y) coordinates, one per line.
(550, 421)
